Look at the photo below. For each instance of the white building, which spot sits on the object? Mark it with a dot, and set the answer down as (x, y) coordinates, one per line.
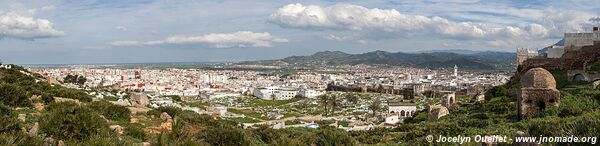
(309, 93)
(209, 78)
(401, 108)
(268, 93)
(556, 51)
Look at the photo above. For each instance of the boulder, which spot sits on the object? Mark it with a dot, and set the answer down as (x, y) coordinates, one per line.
(165, 116)
(117, 128)
(60, 99)
(22, 117)
(38, 106)
(33, 130)
(166, 126)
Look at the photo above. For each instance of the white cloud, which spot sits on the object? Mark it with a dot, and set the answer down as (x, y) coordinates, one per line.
(48, 8)
(121, 28)
(25, 27)
(217, 40)
(354, 17)
(333, 37)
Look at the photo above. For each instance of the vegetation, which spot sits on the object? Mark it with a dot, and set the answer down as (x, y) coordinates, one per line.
(110, 111)
(75, 79)
(69, 120)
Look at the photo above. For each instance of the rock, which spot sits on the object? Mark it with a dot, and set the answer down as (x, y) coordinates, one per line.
(480, 97)
(133, 120)
(34, 97)
(523, 134)
(22, 117)
(60, 99)
(49, 140)
(165, 116)
(105, 119)
(145, 144)
(596, 84)
(139, 99)
(33, 131)
(166, 126)
(117, 128)
(437, 111)
(39, 106)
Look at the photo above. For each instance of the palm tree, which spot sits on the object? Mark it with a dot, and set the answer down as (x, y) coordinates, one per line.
(352, 98)
(334, 102)
(324, 100)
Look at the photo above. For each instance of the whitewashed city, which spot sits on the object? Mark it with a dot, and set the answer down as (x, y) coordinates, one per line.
(237, 94)
(299, 73)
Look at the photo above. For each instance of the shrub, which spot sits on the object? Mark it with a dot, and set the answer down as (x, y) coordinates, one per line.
(110, 111)
(70, 121)
(223, 136)
(172, 111)
(334, 136)
(8, 122)
(13, 95)
(19, 138)
(136, 131)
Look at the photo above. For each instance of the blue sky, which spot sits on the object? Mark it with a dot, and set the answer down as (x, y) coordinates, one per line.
(119, 31)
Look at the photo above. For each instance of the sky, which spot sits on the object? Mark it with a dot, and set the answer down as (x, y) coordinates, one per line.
(140, 31)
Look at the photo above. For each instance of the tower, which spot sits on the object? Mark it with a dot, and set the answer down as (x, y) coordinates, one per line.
(455, 71)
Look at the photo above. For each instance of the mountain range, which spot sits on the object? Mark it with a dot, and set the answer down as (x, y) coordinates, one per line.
(477, 60)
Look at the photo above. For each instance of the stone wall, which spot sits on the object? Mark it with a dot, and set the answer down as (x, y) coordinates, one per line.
(571, 60)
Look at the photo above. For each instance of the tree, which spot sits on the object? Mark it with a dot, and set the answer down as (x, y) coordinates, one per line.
(352, 98)
(335, 103)
(81, 80)
(375, 106)
(324, 101)
(75, 79)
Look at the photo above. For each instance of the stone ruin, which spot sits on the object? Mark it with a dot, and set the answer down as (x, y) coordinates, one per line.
(139, 99)
(538, 92)
(449, 100)
(437, 111)
(479, 97)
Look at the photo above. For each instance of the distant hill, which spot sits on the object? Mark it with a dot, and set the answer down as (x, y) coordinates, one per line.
(473, 60)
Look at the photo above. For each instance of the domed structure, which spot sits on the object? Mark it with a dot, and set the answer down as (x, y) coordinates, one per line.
(538, 78)
(538, 92)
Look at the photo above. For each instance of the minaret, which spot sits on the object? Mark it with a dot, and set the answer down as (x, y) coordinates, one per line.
(455, 71)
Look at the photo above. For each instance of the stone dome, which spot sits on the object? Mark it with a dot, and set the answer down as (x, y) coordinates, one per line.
(538, 78)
